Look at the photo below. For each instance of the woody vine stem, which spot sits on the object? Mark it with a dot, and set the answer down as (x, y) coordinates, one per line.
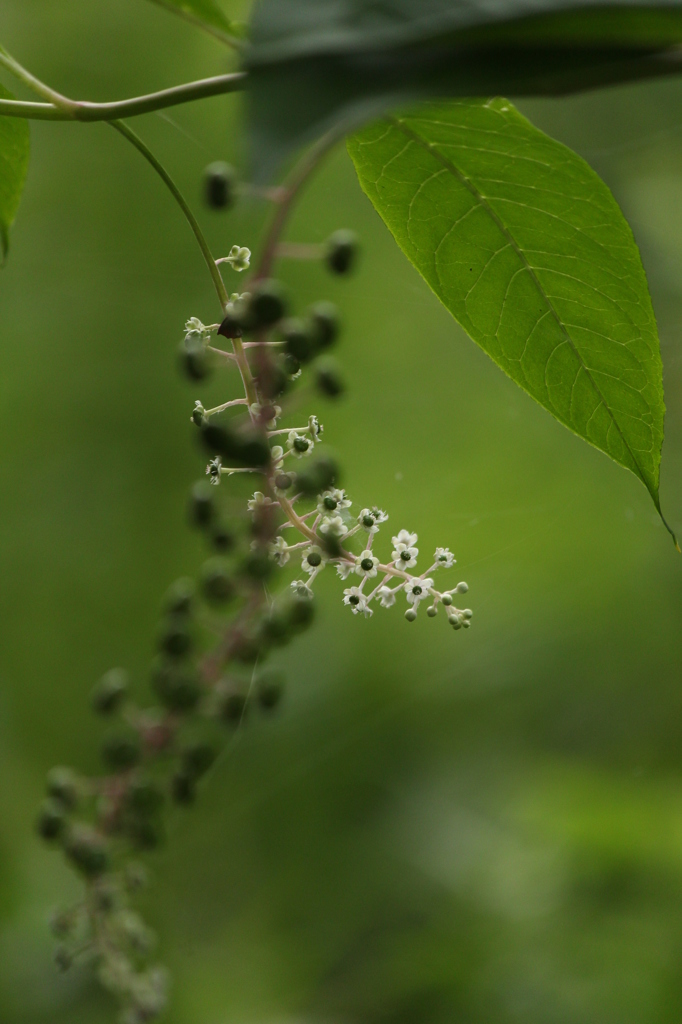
(217, 632)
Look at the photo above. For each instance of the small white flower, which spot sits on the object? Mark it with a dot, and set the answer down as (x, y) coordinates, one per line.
(379, 515)
(239, 258)
(312, 559)
(316, 428)
(195, 329)
(404, 557)
(279, 550)
(386, 597)
(356, 601)
(259, 499)
(367, 521)
(406, 538)
(366, 564)
(417, 590)
(332, 500)
(444, 557)
(301, 589)
(277, 454)
(213, 470)
(333, 525)
(344, 569)
(299, 444)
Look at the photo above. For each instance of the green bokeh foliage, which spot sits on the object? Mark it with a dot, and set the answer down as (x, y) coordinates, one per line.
(437, 827)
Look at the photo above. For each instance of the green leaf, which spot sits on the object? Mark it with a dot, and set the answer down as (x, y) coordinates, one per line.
(14, 153)
(207, 14)
(527, 248)
(319, 64)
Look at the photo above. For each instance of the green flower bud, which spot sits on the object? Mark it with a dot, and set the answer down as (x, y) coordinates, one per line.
(283, 481)
(143, 797)
(257, 566)
(290, 365)
(62, 786)
(175, 639)
(197, 759)
(466, 624)
(219, 185)
(177, 688)
(342, 251)
(51, 820)
(110, 692)
(195, 362)
(331, 545)
(146, 833)
(462, 588)
(410, 615)
(297, 340)
(467, 613)
(432, 611)
(264, 307)
(324, 320)
(199, 416)
(254, 451)
(221, 439)
(87, 850)
(269, 689)
(273, 380)
(319, 474)
(183, 788)
(328, 380)
(247, 647)
(179, 597)
(301, 612)
(447, 599)
(121, 751)
(454, 620)
(217, 585)
(222, 538)
(232, 708)
(276, 626)
(245, 448)
(201, 507)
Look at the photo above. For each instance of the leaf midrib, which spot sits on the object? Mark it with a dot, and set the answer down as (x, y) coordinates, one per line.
(468, 184)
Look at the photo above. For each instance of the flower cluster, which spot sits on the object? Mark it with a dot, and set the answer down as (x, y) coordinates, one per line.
(216, 632)
(379, 582)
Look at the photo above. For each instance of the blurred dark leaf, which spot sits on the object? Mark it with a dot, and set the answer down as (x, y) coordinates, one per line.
(317, 64)
(14, 153)
(528, 249)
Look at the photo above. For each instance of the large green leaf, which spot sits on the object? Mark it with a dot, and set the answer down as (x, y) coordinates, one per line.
(528, 249)
(14, 153)
(207, 14)
(319, 64)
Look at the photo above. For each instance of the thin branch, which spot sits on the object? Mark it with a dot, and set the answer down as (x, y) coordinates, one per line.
(82, 110)
(292, 186)
(129, 134)
(55, 98)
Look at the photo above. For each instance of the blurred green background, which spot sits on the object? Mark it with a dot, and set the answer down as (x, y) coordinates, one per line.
(439, 826)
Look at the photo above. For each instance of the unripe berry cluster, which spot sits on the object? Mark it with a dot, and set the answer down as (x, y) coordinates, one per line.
(217, 631)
